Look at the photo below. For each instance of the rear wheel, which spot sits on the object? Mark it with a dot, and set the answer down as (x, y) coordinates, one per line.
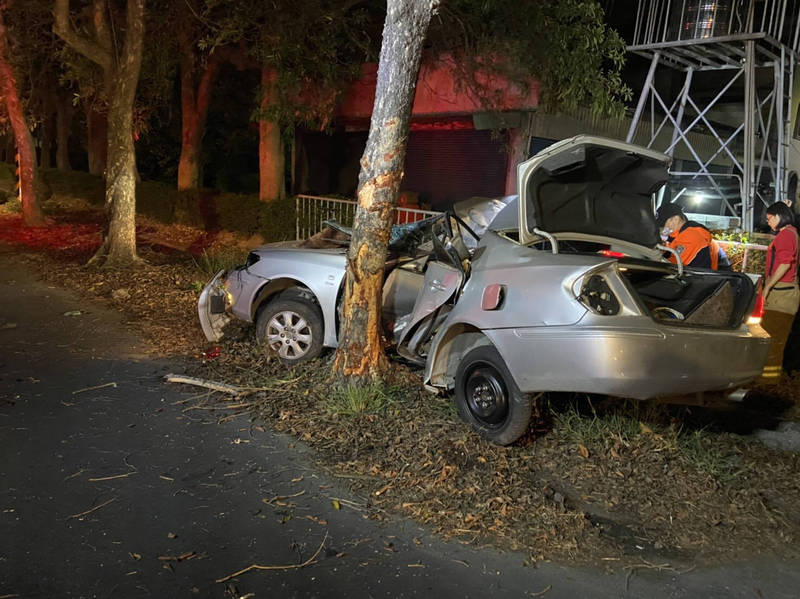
(488, 398)
(292, 329)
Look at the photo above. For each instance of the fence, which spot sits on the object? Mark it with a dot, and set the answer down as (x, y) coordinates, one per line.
(311, 211)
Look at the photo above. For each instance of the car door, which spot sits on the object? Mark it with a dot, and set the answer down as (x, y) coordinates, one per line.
(442, 281)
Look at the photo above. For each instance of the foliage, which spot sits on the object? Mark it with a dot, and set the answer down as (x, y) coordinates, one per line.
(35, 53)
(207, 209)
(564, 44)
(211, 262)
(313, 47)
(75, 184)
(736, 254)
(12, 205)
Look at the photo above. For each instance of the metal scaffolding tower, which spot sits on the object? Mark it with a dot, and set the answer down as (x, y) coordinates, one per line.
(738, 59)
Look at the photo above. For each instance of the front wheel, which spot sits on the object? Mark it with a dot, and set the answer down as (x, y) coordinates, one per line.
(292, 329)
(488, 399)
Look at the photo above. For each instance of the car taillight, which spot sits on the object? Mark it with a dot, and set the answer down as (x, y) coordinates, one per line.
(758, 310)
(612, 254)
(598, 297)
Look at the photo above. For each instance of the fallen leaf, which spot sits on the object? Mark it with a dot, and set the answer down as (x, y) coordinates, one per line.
(583, 451)
(336, 505)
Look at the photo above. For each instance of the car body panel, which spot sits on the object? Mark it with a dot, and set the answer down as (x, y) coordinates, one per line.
(213, 322)
(321, 271)
(638, 362)
(440, 283)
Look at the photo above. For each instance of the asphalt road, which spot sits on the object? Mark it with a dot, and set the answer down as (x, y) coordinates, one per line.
(119, 491)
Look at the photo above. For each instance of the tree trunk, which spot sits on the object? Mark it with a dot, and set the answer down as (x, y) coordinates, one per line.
(28, 180)
(63, 127)
(194, 111)
(46, 144)
(271, 162)
(121, 76)
(119, 245)
(360, 354)
(96, 140)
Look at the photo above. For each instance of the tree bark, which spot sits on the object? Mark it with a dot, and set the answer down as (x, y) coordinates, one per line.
(271, 162)
(195, 98)
(121, 77)
(360, 355)
(63, 127)
(28, 178)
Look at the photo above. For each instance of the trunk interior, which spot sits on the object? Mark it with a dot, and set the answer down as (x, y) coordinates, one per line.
(718, 299)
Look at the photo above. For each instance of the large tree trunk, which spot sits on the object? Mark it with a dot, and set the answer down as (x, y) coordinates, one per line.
(360, 354)
(119, 245)
(63, 127)
(271, 162)
(121, 74)
(29, 185)
(194, 111)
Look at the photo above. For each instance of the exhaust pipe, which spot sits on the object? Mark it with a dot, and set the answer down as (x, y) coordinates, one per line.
(738, 395)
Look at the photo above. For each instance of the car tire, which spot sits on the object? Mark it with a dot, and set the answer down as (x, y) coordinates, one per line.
(292, 329)
(488, 399)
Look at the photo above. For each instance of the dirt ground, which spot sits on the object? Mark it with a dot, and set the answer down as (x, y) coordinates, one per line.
(595, 481)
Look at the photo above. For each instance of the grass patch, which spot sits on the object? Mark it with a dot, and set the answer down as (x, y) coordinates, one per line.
(357, 400)
(644, 425)
(702, 450)
(595, 428)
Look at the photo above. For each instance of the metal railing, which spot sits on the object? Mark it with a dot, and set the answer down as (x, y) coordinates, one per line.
(746, 248)
(660, 21)
(311, 211)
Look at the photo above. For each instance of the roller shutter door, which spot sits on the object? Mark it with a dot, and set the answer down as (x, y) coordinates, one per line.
(447, 166)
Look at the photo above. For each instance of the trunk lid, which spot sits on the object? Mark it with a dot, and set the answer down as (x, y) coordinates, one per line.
(592, 187)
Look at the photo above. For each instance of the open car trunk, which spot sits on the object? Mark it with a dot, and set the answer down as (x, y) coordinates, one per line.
(717, 299)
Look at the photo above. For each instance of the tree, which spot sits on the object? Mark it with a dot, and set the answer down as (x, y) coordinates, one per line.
(308, 50)
(360, 354)
(198, 71)
(29, 184)
(120, 68)
(564, 45)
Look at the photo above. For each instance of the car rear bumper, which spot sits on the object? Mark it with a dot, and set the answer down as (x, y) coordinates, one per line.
(640, 363)
(211, 308)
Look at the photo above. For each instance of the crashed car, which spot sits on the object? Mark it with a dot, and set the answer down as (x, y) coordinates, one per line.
(563, 287)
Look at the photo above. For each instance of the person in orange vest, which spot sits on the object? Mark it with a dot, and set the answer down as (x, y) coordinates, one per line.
(691, 240)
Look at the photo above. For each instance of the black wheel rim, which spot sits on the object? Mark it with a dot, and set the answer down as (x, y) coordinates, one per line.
(487, 398)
